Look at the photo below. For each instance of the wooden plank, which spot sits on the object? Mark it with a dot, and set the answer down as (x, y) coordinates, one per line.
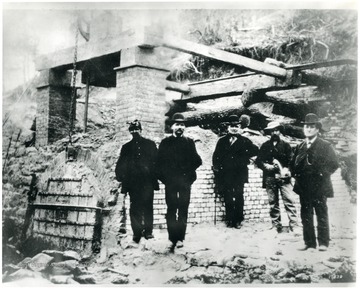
(321, 64)
(179, 87)
(221, 55)
(228, 87)
(88, 51)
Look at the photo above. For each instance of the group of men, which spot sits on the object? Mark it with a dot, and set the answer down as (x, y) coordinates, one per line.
(311, 164)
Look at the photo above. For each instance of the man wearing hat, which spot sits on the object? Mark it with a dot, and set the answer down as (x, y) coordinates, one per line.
(274, 159)
(230, 159)
(135, 168)
(176, 166)
(313, 163)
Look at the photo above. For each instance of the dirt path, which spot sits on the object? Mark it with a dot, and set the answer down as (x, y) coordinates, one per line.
(216, 254)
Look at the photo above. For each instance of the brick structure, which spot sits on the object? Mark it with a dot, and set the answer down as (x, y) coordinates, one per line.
(141, 81)
(256, 208)
(53, 106)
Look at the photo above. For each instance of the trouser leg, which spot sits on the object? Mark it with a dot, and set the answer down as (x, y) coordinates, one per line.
(239, 204)
(273, 196)
(184, 201)
(307, 219)
(323, 230)
(136, 216)
(288, 197)
(229, 205)
(172, 207)
(148, 210)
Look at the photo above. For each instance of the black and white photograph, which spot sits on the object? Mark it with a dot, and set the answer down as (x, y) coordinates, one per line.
(187, 144)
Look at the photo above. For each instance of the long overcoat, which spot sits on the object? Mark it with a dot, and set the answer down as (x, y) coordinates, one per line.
(135, 167)
(230, 161)
(313, 167)
(177, 160)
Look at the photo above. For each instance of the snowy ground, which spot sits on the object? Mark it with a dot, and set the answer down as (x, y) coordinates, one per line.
(216, 254)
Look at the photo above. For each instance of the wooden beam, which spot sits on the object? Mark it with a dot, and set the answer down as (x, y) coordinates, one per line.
(88, 51)
(315, 65)
(221, 55)
(179, 87)
(236, 85)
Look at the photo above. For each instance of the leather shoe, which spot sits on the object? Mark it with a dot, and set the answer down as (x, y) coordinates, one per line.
(237, 226)
(179, 244)
(149, 236)
(136, 239)
(307, 248)
(322, 248)
(170, 247)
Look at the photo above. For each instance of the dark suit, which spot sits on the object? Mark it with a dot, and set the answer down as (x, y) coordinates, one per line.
(231, 173)
(135, 168)
(312, 168)
(267, 154)
(176, 165)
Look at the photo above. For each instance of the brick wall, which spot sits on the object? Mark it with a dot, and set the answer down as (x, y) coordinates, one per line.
(59, 112)
(256, 207)
(141, 95)
(42, 116)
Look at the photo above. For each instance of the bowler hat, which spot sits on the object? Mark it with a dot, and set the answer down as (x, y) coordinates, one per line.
(134, 125)
(178, 117)
(234, 119)
(312, 118)
(244, 120)
(272, 125)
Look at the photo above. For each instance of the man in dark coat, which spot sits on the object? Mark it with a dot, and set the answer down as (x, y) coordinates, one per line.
(230, 159)
(313, 163)
(176, 165)
(135, 168)
(274, 159)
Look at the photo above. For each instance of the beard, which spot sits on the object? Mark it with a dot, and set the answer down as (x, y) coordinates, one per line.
(275, 137)
(179, 132)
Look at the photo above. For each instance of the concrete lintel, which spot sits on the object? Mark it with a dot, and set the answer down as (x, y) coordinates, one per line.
(58, 78)
(89, 50)
(148, 57)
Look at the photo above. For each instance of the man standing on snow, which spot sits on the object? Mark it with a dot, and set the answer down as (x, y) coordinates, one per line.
(274, 159)
(176, 165)
(135, 168)
(313, 163)
(230, 159)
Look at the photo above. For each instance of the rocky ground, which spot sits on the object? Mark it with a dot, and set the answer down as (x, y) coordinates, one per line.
(213, 254)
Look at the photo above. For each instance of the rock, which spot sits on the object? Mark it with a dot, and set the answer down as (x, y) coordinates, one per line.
(258, 271)
(21, 151)
(267, 278)
(203, 258)
(274, 258)
(285, 273)
(58, 255)
(303, 278)
(22, 273)
(103, 255)
(71, 281)
(345, 273)
(120, 280)
(40, 262)
(10, 268)
(27, 281)
(60, 279)
(72, 255)
(80, 271)
(336, 259)
(64, 268)
(85, 279)
(30, 150)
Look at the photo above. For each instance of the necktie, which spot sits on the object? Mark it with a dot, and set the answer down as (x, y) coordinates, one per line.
(232, 140)
(308, 144)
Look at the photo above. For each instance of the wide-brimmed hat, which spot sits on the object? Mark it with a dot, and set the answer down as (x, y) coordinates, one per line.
(312, 118)
(178, 118)
(134, 125)
(272, 125)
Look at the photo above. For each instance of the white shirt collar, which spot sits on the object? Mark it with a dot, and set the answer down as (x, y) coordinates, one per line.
(311, 141)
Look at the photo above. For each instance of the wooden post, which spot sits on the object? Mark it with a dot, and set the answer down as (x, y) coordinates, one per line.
(86, 102)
